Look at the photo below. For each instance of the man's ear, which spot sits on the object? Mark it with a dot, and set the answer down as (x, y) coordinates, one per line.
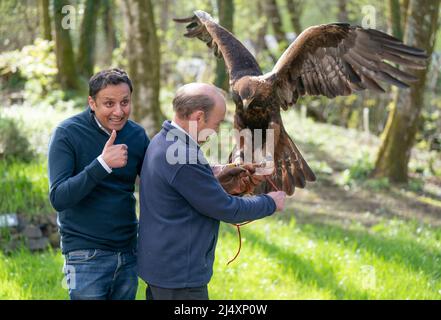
(197, 116)
(92, 103)
(200, 116)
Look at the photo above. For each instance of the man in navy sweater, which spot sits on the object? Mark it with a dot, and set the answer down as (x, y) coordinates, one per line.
(94, 159)
(182, 202)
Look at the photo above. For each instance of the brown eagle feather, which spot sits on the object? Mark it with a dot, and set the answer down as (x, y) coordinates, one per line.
(329, 60)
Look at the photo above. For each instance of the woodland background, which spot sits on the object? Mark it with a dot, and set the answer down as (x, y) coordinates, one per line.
(369, 228)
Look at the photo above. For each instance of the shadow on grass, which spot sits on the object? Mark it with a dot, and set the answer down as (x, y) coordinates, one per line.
(413, 201)
(314, 152)
(406, 252)
(379, 204)
(431, 195)
(303, 269)
(431, 210)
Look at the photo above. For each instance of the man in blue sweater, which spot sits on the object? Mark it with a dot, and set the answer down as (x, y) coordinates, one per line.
(182, 202)
(94, 159)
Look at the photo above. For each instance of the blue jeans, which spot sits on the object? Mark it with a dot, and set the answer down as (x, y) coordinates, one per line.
(101, 275)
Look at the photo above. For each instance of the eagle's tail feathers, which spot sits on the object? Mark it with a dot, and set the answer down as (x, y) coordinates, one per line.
(291, 169)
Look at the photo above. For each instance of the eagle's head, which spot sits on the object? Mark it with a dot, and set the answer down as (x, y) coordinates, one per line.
(252, 91)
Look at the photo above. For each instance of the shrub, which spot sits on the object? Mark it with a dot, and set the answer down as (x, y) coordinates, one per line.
(24, 187)
(358, 171)
(13, 143)
(358, 174)
(33, 71)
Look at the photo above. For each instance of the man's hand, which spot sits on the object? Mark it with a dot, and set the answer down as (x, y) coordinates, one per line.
(279, 198)
(239, 180)
(116, 155)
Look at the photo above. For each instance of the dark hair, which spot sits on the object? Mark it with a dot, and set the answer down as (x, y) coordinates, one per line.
(185, 104)
(104, 78)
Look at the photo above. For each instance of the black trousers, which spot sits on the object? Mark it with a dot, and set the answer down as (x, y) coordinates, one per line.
(157, 293)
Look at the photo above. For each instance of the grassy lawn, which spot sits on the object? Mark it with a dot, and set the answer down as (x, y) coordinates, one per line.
(283, 260)
(343, 237)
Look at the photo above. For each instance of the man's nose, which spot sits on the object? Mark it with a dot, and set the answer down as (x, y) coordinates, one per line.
(118, 110)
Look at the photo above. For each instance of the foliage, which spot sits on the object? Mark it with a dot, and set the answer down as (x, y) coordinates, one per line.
(37, 123)
(19, 23)
(24, 187)
(359, 173)
(35, 64)
(13, 143)
(429, 135)
(359, 170)
(416, 185)
(34, 69)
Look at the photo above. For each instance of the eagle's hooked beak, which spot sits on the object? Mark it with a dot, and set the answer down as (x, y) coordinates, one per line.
(246, 103)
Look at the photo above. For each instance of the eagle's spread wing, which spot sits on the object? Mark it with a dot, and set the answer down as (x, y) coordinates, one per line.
(329, 60)
(238, 60)
(338, 59)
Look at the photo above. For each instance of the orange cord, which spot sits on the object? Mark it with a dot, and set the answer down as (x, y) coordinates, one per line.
(238, 225)
(240, 239)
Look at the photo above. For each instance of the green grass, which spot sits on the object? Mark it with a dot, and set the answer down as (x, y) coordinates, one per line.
(24, 187)
(283, 260)
(24, 275)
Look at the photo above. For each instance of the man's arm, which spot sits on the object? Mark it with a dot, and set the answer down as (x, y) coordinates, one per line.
(66, 190)
(208, 197)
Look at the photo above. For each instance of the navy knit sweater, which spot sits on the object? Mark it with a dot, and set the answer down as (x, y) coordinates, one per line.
(181, 206)
(96, 210)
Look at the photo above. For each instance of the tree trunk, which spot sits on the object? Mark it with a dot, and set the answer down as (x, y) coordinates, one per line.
(143, 54)
(343, 15)
(45, 19)
(404, 5)
(399, 133)
(86, 51)
(165, 15)
(226, 17)
(276, 21)
(261, 44)
(67, 72)
(111, 41)
(295, 10)
(394, 20)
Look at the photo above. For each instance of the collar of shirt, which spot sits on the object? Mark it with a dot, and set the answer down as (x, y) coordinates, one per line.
(177, 126)
(100, 125)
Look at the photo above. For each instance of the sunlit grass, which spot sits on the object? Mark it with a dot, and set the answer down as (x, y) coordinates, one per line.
(24, 275)
(283, 260)
(24, 187)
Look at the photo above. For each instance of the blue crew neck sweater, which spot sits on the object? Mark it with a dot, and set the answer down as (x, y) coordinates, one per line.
(96, 209)
(181, 207)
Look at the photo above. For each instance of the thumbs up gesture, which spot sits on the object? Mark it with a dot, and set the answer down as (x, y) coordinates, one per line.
(115, 155)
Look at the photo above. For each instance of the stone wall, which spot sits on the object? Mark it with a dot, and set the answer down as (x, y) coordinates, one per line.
(36, 233)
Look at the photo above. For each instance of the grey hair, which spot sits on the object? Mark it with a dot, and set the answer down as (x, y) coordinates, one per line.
(184, 104)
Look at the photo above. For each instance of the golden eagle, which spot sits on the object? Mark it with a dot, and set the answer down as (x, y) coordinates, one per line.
(330, 60)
